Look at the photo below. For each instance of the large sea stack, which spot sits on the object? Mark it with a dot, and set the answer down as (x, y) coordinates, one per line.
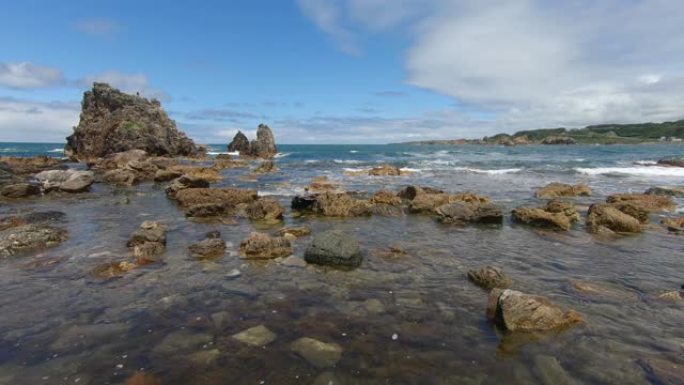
(263, 147)
(113, 121)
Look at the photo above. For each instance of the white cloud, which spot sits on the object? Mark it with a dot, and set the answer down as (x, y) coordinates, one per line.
(27, 75)
(326, 14)
(130, 83)
(25, 120)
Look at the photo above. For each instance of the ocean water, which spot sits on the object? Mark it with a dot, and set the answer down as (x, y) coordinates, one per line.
(175, 318)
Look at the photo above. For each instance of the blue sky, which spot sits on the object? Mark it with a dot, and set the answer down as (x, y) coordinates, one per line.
(345, 71)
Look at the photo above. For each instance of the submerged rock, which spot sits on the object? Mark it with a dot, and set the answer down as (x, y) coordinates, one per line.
(517, 311)
(556, 215)
(111, 270)
(317, 353)
(673, 161)
(662, 371)
(332, 205)
(230, 196)
(550, 371)
(262, 246)
(142, 378)
(296, 232)
(603, 290)
(112, 121)
(266, 167)
(256, 336)
(71, 181)
(148, 241)
(463, 213)
(334, 248)
(19, 190)
(558, 190)
(121, 177)
(185, 182)
(29, 237)
(264, 209)
(650, 203)
(490, 277)
(213, 246)
(40, 217)
(604, 217)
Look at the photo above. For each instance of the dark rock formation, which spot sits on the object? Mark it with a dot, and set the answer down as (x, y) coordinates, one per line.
(672, 161)
(558, 140)
(112, 121)
(334, 248)
(263, 147)
(673, 191)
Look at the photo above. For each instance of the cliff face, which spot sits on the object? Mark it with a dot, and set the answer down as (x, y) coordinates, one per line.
(112, 121)
(263, 147)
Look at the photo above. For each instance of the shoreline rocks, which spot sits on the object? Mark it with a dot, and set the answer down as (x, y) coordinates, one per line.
(112, 121)
(18, 239)
(559, 190)
(263, 146)
(71, 181)
(606, 218)
(334, 248)
(263, 246)
(556, 215)
(517, 311)
(211, 247)
(148, 241)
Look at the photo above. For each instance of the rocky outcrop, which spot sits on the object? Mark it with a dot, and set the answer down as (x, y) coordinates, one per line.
(517, 311)
(29, 237)
(606, 218)
(556, 215)
(19, 190)
(262, 246)
(184, 182)
(334, 248)
(25, 166)
(112, 121)
(71, 181)
(332, 204)
(231, 196)
(461, 213)
(264, 209)
(212, 246)
(559, 190)
(148, 241)
(552, 140)
(490, 277)
(650, 203)
(674, 225)
(263, 146)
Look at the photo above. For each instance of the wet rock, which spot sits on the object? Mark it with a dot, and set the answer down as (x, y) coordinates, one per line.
(264, 209)
(185, 182)
(334, 248)
(111, 270)
(210, 210)
(385, 170)
(672, 161)
(208, 174)
(297, 232)
(71, 181)
(427, 203)
(662, 371)
(317, 353)
(462, 213)
(604, 291)
(387, 210)
(211, 247)
(603, 217)
(670, 296)
(181, 341)
(29, 237)
(120, 160)
(550, 372)
(166, 175)
(112, 122)
(332, 205)
(517, 311)
(19, 190)
(262, 246)
(411, 192)
(633, 210)
(239, 144)
(149, 240)
(385, 197)
(35, 218)
(257, 336)
(651, 203)
(303, 203)
(265, 167)
(556, 215)
(25, 166)
(490, 277)
(675, 225)
(558, 190)
(222, 164)
(673, 191)
(142, 378)
(229, 196)
(293, 261)
(556, 140)
(120, 177)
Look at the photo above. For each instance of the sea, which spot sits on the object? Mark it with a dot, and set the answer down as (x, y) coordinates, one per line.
(401, 318)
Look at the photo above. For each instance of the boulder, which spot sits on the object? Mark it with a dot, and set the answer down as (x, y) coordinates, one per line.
(29, 237)
(490, 277)
(675, 225)
(651, 203)
(556, 215)
(411, 192)
(229, 196)
(264, 146)
(332, 204)
(673, 191)
(212, 246)
(120, 159)
(517, 311)
(633, 209)
(19, 190)
(239, 144)
(210, 210)
(385, 197)
(385, 170)
(558, 190)
(120, 177)
(334, 248)
(167, 175)
(262, 246)
(264, 209)
(71, 181)
(112, 121)
(462, 213)
(185, 182)
(317, 353)
(427, 203)
(148, 241)
(554, 140)
(604, 217)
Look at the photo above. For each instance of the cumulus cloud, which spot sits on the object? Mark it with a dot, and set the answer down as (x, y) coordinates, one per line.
(22, 120)
(326, 14)
(97, 27)
(535, 63)
(25, 75)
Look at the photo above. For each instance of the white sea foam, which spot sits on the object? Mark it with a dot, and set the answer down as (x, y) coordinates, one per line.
(282, 154)
(490, 172)
(640, 171)
(408, 169)
(353, 151)
(346, 161)
(57, 150)
(282, 191)
(646, 162)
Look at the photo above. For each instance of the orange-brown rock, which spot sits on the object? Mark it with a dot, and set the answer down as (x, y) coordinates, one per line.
(604, 217)
(231, 196)
(558, 190)
(652, 203)
(263, 246)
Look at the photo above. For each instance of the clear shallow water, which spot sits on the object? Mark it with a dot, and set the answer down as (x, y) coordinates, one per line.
(60, 324)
